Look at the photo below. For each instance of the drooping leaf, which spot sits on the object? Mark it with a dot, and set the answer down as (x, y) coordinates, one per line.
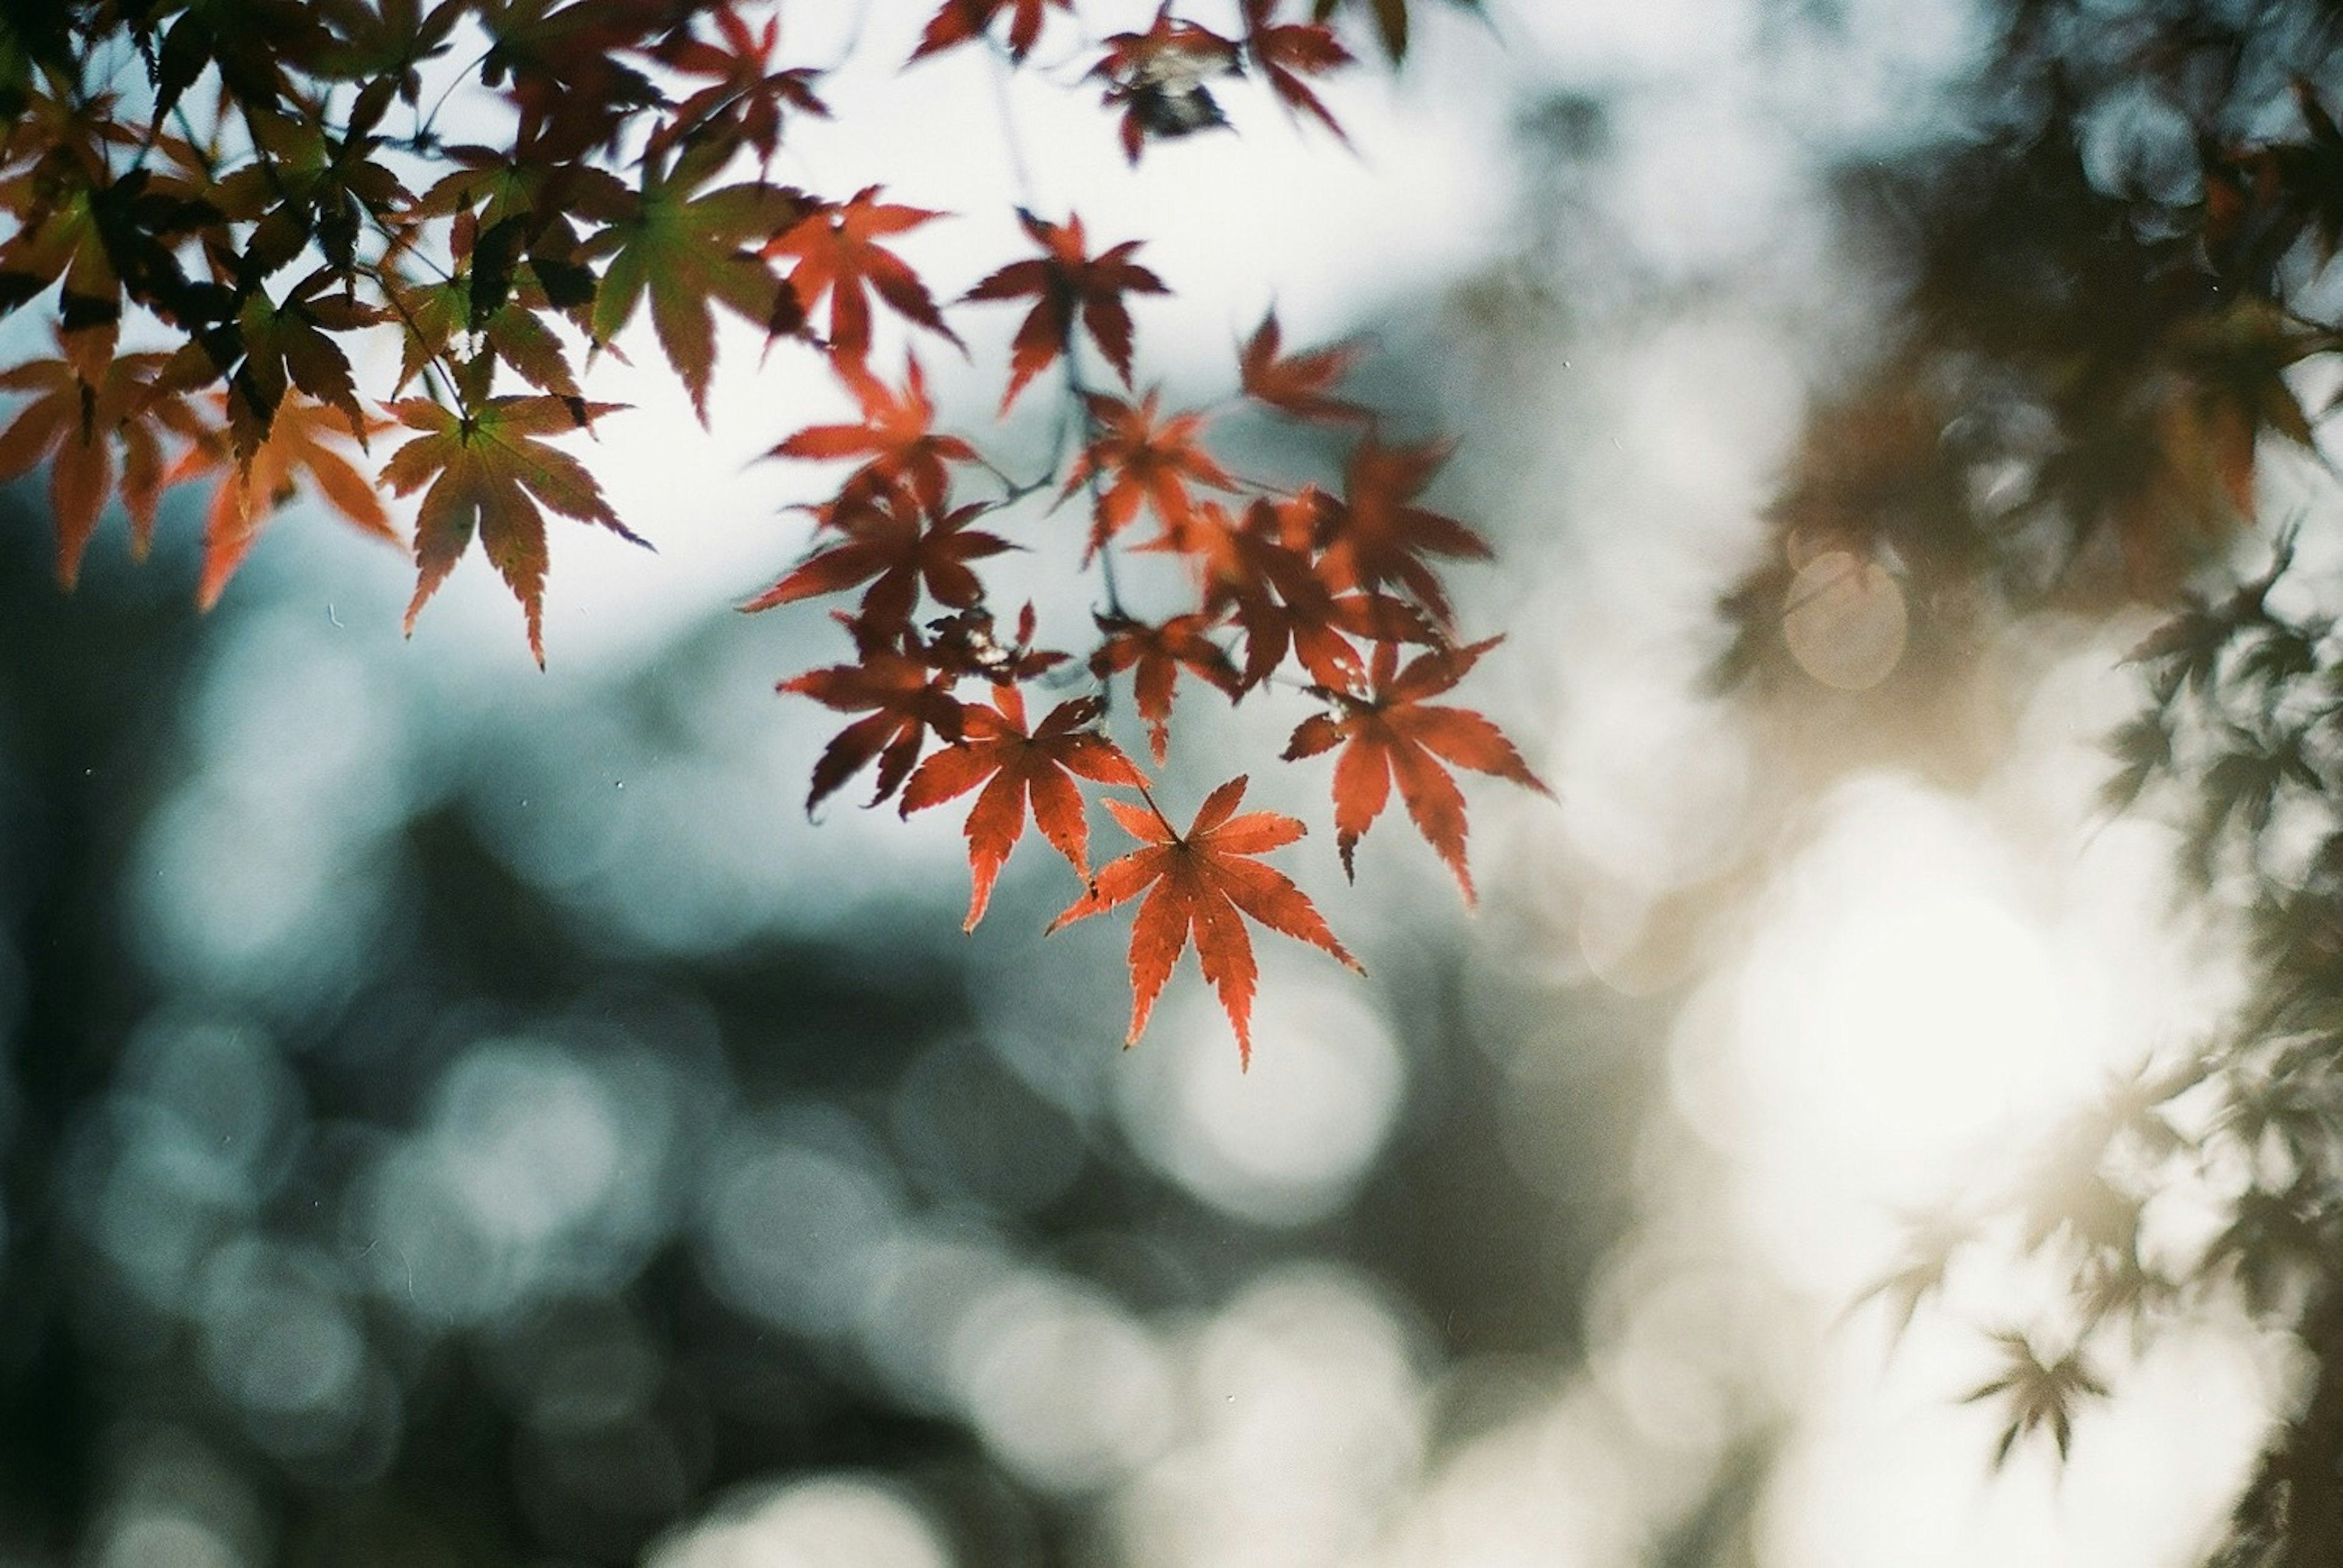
(305, 439)
(75, 428)
(1019, 770)
(490, 472)
(1202, 887)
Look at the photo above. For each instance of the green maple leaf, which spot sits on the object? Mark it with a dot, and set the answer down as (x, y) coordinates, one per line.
(685, 251)
(489, 474)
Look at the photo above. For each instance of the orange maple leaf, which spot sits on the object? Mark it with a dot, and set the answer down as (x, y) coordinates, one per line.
(1064, 279)
(74, 426)
(1376, 536)
(1203, 885)
(1392, 732)
(1018, 768)
(897, 439)
(906, 697)
(1156, 654)
(306, 435)
(896, 547)
(1151, 460)
(838, 253)
(1297, 384)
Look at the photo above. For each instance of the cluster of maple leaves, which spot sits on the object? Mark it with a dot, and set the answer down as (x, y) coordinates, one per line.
(214, 204)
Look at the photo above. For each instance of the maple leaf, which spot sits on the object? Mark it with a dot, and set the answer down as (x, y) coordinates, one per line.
(573, 91)
(1017, 769)
(1066, 280)
(1286, 52)
(304, 438)
(746, 98)
(2036, 1393)
(1259, 573)
(906, 699)
(1202, 886)
(436, 313)
(1149, 461)
(99, 241)
(1158, 79)
(960, 22)
(74, 426)
(1376, 537)
(1391, 732)
(275, 346)
(898, 548)
(1297, 384)
(897, 437)
(489, 474)
(689, 252)
(1156, 654)
(1390, 20)
(838, 255)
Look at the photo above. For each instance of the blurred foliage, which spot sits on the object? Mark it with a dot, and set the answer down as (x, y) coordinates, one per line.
(2110, 389)
(511, 1224)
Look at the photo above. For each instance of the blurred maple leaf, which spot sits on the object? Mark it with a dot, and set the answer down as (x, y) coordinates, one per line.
(960, 22)
(306, 438)
(1297, 384)
(1148, 459)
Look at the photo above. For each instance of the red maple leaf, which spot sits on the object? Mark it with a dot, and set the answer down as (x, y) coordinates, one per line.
(963, 21)
(1286, 52)
(746, 98)
(906, 699)
(1064, 279)
(1391, 732)
(1157, 654)
(1157, 77)
(1149, 461)
(1017, 769)
(897, 437)
(1262, 575)
(838, 253)
(1297, 384)
(898, 548)
(1202, 886)
(1374, 536)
